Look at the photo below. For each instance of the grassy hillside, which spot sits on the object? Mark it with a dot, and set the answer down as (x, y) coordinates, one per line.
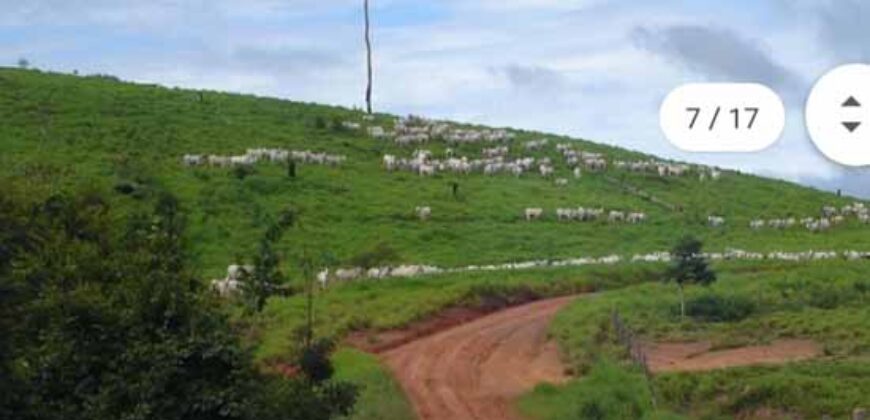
(61, 131)
(100, 133)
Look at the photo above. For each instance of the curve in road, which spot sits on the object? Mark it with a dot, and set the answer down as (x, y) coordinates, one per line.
(475, 370)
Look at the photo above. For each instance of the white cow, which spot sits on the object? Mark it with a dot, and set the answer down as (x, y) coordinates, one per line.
(323, 278)
(193, 160)
(226, 287)
(239, 272)
(348, 274)
(616, 216)
(423, 212)
(636, 217)
(534, 213)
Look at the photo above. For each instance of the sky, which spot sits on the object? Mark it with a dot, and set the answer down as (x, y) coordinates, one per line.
(594, 69)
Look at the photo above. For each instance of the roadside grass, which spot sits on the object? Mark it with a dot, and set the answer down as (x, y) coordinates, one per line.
(381, 397)
(823, 301)
(609, 391)
(393, 303)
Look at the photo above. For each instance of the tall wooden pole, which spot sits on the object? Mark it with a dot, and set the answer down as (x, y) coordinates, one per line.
(368, 58)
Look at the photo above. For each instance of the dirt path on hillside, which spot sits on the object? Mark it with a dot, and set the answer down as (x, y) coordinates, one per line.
(475, 370)
(693, 357)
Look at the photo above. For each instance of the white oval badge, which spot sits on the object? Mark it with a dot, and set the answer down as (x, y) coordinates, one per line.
(722, 117)
(838, 114)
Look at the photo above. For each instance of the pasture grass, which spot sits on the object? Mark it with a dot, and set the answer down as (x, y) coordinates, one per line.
(63, 132)
(823, 301)
(381, 397)
(94, 131)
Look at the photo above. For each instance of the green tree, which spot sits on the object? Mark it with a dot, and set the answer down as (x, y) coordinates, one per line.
(689, 267)
(258, 286)
(105, 323)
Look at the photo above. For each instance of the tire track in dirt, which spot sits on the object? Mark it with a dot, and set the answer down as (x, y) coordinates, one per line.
(476, 370)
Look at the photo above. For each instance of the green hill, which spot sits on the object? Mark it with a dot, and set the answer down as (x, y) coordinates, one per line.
(101, 133)
(62, 132)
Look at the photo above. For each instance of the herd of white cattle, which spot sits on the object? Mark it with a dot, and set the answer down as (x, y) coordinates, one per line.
(416, 131)
(582, 214)
(830, 217)
(235, 273)
(423, 163)
(263, 154)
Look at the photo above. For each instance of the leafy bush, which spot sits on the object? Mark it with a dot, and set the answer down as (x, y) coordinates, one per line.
(716, 308)
(243, 171)
(111, 324)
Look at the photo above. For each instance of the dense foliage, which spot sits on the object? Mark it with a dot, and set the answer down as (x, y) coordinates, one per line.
(689, 267)
(100, 322)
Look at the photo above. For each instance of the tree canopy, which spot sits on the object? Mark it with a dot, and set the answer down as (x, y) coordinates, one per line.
(106, 322)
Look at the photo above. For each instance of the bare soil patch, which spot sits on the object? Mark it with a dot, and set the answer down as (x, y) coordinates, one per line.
(698, 356)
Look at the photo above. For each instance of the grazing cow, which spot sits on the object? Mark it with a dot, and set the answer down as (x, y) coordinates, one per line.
(193, 160)
(616, 216)
(546, 170)
(426, 170)
(348, 274)
(561, 182)
(636, 217)
(423, 213)
(239, 272)
(348, 125)
(715, 221)
(535, 144)
(323, 278)
(226, 287)
(566, 214)
(377, 132)
(756, 224)
(829, 211)
(534, 213)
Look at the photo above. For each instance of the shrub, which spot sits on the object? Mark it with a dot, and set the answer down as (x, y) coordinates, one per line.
(716, 308)
(241, 172)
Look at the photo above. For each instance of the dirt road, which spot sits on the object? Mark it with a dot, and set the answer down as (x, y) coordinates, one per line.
(475, 370)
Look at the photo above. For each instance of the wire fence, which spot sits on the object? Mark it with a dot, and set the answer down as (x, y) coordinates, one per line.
(636, 352)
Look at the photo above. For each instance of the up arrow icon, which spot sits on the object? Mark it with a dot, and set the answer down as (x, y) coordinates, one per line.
(851, 103)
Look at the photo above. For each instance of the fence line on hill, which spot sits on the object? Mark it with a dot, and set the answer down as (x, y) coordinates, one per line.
(627, 338)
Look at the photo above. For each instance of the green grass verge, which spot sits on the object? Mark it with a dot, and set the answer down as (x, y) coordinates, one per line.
(381, 397)
(826, 302)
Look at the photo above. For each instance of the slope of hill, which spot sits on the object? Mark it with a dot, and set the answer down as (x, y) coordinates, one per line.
(61, 131)
(98, 132)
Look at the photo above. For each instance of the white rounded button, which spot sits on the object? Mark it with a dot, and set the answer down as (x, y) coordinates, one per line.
(838, 114)
(722, 117)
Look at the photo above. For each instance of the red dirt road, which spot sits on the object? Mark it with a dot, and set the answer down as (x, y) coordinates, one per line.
(475, 370)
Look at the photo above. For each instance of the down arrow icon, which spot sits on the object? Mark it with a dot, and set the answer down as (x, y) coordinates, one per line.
(851, 125)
